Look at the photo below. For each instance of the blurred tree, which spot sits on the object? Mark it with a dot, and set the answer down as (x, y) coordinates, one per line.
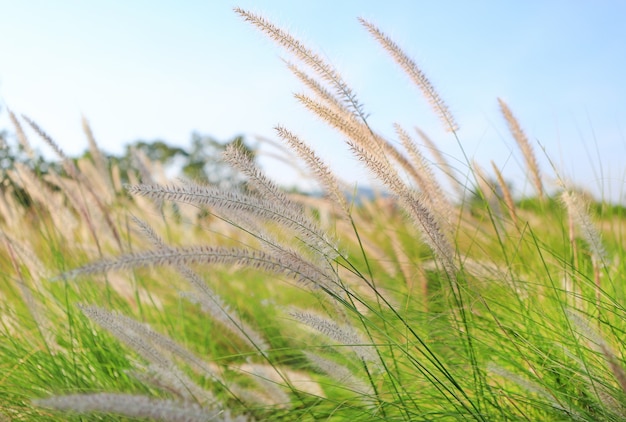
(12, 152)
(201, 162)
(204, 163)
(5, 153)
(156, 151)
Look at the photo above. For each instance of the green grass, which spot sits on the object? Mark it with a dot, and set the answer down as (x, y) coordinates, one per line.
(407, 313)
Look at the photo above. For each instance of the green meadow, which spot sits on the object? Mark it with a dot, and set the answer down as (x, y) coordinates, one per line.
(128, 295)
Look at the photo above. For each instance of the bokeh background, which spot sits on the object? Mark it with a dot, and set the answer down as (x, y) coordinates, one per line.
(163, 69)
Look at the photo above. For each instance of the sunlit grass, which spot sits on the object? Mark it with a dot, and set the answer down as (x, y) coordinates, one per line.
(406, 306)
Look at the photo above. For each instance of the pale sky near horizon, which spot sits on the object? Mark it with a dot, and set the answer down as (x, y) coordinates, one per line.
(161, 69)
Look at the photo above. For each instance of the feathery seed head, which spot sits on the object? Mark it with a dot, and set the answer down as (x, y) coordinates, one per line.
(524, 145)
(415, 73)
(579, 213)
(133, 406)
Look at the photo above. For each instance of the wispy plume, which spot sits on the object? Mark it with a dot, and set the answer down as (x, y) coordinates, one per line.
(307, 56)
(21, 136)
(443, 164)
(68, 164)
(415, 73)
(324, 174)
(135, 406)
(318, 89)
(340, 373)
(578, 212)
(229, 201)
(506, 193)
(98, 158)
(209, 301)
(524, 145)
(264, 186)
(598, 343)
(421, 216)
(151, 346)
(344, 335)
(531, 387)
(74, 173)
(431, 189)
(308, 274)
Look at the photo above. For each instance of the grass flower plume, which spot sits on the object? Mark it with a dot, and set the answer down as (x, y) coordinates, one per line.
(129, 295)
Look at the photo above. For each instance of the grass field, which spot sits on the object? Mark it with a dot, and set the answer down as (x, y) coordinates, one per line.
(176, 301)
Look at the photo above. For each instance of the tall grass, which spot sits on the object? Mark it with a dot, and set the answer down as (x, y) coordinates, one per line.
(181, 301)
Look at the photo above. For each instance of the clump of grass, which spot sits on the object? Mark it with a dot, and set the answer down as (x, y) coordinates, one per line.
(403, 307)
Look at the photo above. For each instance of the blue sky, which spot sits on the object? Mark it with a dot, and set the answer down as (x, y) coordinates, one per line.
(162, 69)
